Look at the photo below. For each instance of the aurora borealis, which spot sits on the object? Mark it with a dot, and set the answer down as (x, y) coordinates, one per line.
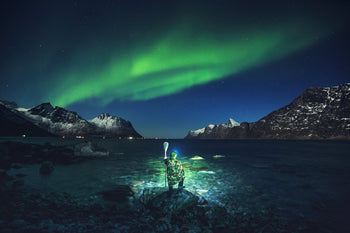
(178, 61)
(201, 61)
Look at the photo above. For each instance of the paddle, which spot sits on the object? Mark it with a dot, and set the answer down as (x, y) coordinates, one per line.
(166, 145)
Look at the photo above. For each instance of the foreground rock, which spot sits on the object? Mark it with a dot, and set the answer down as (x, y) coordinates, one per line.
(179, 200)
(29, 211)
(120, 193)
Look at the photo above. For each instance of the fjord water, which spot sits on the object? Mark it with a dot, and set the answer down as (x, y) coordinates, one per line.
(300, 180)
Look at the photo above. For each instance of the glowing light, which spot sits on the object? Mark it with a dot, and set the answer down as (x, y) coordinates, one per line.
(175, 150)
(197, 158)
(207, 172)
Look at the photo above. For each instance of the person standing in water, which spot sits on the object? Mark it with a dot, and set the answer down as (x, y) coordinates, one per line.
(175, 171)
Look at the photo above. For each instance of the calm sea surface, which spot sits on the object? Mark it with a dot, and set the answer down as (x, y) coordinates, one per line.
(301, 180)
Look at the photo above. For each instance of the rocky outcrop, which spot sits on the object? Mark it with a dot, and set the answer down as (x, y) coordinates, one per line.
(318, 113)
(88, 149)
(179, 200)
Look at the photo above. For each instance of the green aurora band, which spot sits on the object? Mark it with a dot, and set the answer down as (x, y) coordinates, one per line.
(178, 60)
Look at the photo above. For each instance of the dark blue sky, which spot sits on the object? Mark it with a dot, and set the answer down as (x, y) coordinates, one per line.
(57, 52)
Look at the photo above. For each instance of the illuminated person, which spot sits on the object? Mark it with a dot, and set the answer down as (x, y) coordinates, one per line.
(175, 171)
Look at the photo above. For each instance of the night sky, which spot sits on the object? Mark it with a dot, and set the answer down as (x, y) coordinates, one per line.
(171, 66)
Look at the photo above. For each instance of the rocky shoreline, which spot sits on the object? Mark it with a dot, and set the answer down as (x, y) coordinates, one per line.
(23, 211)
(122, 208)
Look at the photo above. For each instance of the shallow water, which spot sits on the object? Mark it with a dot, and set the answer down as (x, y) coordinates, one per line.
(301, 180)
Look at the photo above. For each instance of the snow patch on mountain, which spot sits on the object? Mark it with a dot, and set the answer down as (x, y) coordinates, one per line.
(57, 120)
(22, 109)
(231, 123)
(197, 132)
(106, 121)
(112, 125)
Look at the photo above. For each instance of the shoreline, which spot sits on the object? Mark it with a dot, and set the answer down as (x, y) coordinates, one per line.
(248, 204)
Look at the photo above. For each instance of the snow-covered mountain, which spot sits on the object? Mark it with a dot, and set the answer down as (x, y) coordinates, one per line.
(111, 125)
(232, 123)
(217, 130)
(14, 124)
(316, 113)
(59, 121)
(8, 104)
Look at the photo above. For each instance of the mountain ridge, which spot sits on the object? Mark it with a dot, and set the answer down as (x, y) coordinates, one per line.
(57, 121)
(318, 113)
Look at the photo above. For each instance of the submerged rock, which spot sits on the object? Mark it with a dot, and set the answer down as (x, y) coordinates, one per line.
(5, 181)
(196, 169)
(17, 154)
(46, 167)
(16, 165)
(17, 183)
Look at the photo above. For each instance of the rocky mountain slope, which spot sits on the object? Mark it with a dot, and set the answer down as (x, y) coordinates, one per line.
(113, 126)
(317, 113)
(12, 124)
(59, 121)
